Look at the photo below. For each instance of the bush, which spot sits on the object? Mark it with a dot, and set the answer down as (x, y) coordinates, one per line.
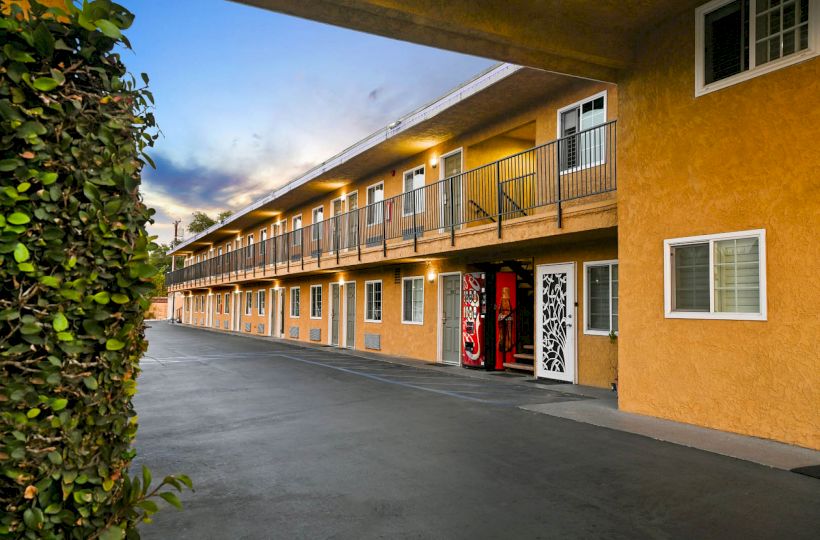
(74, 274)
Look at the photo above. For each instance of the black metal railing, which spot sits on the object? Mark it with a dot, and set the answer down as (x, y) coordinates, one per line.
(576, 166)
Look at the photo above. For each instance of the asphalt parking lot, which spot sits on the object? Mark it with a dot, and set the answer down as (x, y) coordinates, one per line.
(289, 442)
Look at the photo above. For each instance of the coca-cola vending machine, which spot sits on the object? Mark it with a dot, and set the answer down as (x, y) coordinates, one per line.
(473, 312)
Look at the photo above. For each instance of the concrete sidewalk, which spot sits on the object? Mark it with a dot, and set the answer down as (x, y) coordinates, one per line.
(601, 409)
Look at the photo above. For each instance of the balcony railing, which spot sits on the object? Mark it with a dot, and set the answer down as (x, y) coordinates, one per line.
(579, 165)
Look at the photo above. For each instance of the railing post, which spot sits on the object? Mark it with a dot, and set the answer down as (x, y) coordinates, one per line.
(452, 212)
(318, 244)
(415, 238)
(302, 247)
(384, 228)
(359, 233)
(558, 180)
(288, 240)
(337, 237)
(498, 194)
(273, 242)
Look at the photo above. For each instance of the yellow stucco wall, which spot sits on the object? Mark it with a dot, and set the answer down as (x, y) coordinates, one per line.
(745, 157)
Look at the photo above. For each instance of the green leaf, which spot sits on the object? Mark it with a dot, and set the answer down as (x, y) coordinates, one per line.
(114, 532)
(59, 404)
(43, 40)
(18, 218)
(26, 267)
(119, 298)
(146, 477)
(53, 508)
(114, 345)
(171, 499)
(21, 253)
(56, 458)
(90, 383)
(149, 506)
(59, 323)
(32, 413)
(185, 480)
(7, 165)
(108, 28)
(65, 336)
(50, 281)
(48, 178)
(102, 297)
(44, 84)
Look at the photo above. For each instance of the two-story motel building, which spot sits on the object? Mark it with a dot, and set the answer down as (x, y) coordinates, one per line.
(647, 224)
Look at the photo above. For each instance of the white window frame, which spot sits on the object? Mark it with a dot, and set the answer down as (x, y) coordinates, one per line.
(368, 202)
(409, 278)
(227, 309)
(316, 231)
(700, 36)
(297, 234)
(248, 305)
(404, 191)
(578, 104)
(760, 234)
(367, 294)
(608, 263)
(260, 302)
(312, 301)
(298, 304)
(218, 307)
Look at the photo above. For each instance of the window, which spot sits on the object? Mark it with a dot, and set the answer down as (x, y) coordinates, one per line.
(263, 235)
(280, 227)
(721, 276)
(248, 302)
(227, 303)
(582, 146)
(375, 211)
(218, 303)
(297, 230)
(412, 300)
(294, 302)
(601, 297)
(317, 216)
(315, 301)
(373, 301)
(413, 182)
(219, 252)
(740, 39)
(260, 302)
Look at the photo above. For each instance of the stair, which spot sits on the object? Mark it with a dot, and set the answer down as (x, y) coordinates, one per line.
(524, 356)
(528, 347)
(520, 367)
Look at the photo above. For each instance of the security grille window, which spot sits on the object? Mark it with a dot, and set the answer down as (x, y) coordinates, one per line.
(260, 302)
(601, 297)
(413, 182)
(318, 215)
(297, 231)
(227, 303)
(218, 303)
(315, 301)
(373, 301)
(719, 276)
(375, 204)
(413, 300)
(248, 302)
(581, 146)
(738, 39)
(294, 302)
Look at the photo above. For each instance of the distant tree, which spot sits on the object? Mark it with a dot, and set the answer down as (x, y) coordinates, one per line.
(201, 221)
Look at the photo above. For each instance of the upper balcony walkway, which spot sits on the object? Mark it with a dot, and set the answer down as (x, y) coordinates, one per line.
(480, 203)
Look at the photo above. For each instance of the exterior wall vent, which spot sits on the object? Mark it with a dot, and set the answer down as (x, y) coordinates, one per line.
(260, 328)
(397, 276)
(316, 334)
(373, 341)
(294, 332)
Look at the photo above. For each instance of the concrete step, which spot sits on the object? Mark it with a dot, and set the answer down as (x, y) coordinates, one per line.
(521, 367)
(528, 347)
(524, 356)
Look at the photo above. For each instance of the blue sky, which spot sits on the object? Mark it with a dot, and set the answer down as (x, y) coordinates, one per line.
(247, 99)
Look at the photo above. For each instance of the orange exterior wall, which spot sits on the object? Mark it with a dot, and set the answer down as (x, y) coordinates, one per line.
(744, 157)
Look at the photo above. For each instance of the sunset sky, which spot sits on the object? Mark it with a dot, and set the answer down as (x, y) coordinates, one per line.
(248, 99)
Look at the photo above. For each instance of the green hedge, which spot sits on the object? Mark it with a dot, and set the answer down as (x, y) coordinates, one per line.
(74, 273)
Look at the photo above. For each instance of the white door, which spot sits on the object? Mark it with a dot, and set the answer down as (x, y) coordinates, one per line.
(237, 313)
(281, 325)
(274, 302)
(451, 319)
(335, 302)
(350, 314)
(555, 322)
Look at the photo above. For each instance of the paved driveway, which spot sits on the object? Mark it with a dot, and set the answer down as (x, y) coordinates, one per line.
(289, 442)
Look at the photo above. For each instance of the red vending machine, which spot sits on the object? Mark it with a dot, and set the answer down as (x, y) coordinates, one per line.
(473, 310)
(505, 299)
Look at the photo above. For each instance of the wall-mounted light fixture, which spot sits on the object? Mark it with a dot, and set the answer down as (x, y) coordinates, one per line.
(431, 273)
(434, 162)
